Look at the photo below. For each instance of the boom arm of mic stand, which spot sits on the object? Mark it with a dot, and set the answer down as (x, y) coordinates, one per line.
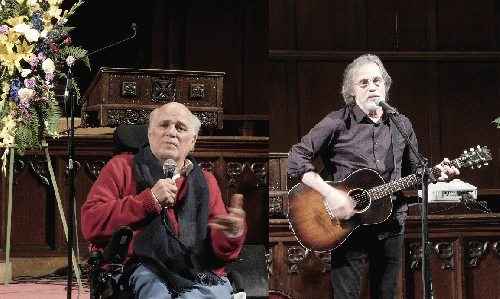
(109, 46)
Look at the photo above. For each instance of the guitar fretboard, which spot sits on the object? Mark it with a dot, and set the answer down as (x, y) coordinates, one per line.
(406, 182)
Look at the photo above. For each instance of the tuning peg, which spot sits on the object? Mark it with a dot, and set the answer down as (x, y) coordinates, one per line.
(471, 149)
(486, 164)
(479, 166)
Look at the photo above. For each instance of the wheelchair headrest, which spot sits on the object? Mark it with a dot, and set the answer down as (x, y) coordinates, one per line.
(131, 137)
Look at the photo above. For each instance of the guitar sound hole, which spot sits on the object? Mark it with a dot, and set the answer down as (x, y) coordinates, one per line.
(361, 198)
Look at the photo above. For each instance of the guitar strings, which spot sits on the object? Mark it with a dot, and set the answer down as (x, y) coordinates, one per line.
(380, 191)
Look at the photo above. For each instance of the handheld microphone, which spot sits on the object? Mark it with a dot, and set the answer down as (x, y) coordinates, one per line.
(169, 167)
(382, 103)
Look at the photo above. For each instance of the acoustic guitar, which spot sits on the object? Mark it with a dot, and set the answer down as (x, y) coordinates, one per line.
(315, 227)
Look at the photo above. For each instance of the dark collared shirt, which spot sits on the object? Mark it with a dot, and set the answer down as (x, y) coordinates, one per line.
(348, 140)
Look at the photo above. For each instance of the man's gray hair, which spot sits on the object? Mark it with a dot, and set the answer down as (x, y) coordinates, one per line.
(351, 69)
(195, 121)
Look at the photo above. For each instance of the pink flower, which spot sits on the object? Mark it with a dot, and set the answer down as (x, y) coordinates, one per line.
(34, 61)
(39, 99)
(23, 104)
(70, 60)
(54, 48)
(67, 41)
(4, 29)
(30, 83)
(19, 120)
(45, 87)
(49, 76)
(41, 57)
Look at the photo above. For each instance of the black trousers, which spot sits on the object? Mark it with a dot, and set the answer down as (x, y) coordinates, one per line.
(349, 259)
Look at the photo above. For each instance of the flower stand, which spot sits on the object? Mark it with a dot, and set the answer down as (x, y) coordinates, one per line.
(61, 212)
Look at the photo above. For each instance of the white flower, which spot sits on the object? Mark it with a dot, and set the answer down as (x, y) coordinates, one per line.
(25, 93)
(44, 33)
(25, 72)
(7, 133)
(22, 28)
(32, 35)
(48, 66)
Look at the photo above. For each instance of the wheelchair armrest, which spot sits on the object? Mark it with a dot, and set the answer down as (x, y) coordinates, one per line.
(117, 248)
(236, 281)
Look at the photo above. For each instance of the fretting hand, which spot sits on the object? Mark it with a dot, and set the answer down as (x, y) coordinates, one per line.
(448, 171)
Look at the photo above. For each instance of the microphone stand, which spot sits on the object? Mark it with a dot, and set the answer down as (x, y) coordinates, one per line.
(426, 176)
(69, 97)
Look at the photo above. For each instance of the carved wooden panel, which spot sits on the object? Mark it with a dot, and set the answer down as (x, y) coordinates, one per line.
(278, 188)
(299, 273)
(465, 259)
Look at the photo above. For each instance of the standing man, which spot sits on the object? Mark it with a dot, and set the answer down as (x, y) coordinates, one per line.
(183, 234)
(356, 137)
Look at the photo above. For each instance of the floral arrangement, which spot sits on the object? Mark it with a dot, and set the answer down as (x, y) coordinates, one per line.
(497, 122)
(35, 50)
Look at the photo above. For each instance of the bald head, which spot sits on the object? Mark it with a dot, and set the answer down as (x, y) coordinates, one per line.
(172, 132)
(195, 123)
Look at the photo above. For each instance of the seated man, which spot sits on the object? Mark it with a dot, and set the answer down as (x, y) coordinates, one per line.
(183, 234)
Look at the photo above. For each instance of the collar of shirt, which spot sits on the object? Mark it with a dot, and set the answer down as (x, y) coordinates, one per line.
(360, 116)
(185, 170)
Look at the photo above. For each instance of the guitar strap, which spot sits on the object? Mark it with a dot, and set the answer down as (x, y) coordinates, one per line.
(394, 138)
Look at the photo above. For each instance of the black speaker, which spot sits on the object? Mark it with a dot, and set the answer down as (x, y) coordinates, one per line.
(249, 271)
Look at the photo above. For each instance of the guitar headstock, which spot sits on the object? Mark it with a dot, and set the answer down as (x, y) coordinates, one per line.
(475, 156)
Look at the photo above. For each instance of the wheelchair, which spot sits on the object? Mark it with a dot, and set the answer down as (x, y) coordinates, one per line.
(247, 274)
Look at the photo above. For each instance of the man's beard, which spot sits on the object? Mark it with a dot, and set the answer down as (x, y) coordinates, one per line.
(370, 105)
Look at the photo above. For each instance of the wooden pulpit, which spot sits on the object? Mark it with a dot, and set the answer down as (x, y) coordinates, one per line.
(127, 96)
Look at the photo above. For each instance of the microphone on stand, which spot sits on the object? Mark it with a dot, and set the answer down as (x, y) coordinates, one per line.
(382, 103)
(169, 167)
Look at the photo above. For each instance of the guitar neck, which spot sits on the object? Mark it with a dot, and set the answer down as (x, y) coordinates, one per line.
(406, 182)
